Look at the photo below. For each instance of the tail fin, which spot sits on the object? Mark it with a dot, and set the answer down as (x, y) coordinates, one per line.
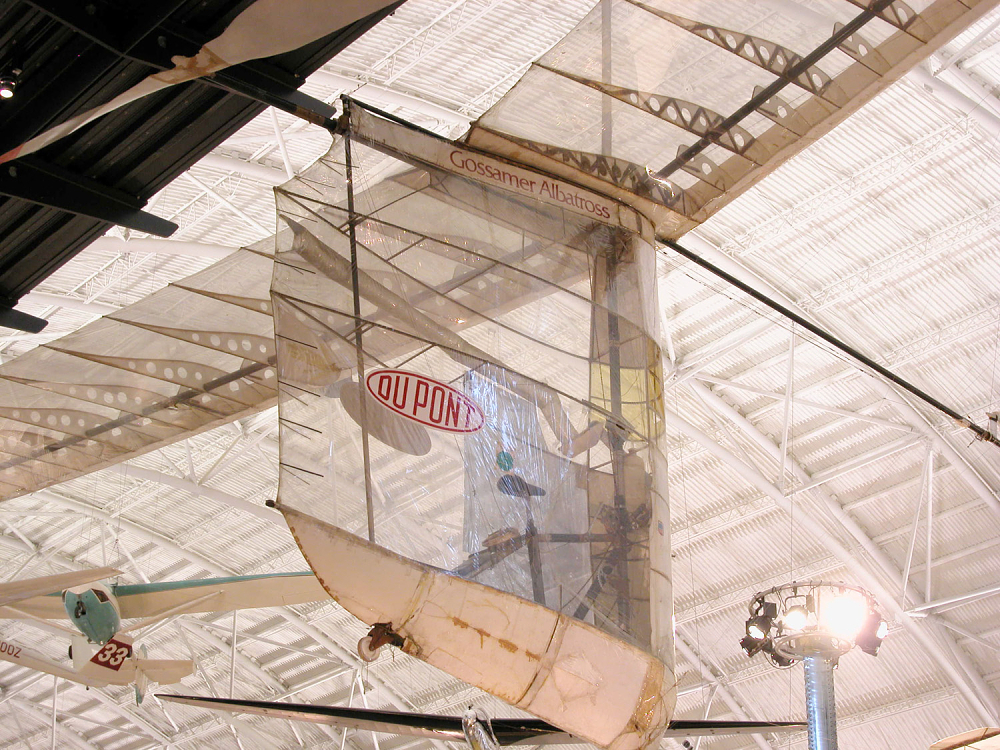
(162, 671)
(141, 680)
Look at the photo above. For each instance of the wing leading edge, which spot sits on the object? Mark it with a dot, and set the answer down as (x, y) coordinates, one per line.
(436, 726)
(986, 738)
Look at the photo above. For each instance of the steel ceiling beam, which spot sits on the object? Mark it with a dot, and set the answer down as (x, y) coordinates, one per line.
(205, 635)
(36, 181)
(184, 248)
(902, 405)
(133, 717)
(951, 662)
(830, 339)
(43, 715)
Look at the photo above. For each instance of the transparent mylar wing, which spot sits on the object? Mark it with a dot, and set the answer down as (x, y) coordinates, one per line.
(677, 106)
(189, 357)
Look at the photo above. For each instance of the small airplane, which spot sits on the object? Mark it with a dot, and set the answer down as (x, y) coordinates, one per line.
(102, 651)
(985, 738)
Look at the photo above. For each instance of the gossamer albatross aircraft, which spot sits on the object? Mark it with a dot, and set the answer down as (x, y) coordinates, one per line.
(102, 650)
(470, 386)
(509, 523)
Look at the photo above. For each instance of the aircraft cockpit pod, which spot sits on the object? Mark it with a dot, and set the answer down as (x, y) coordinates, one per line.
(471, 401)
(93, 610)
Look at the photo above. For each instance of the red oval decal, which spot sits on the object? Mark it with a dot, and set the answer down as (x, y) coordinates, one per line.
(425, 400)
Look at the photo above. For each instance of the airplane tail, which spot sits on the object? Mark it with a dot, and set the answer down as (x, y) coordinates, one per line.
(164, 671)
(118, 663)
(141, 680)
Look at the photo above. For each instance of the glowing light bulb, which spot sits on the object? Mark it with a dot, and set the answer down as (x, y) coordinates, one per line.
(795, 618)
(883, 630)
(8, 82)
(844, 616)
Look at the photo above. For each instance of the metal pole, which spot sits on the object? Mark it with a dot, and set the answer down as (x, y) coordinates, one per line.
(232, 656)
(362, 394)
(930, 526)
(821, 710)
(534, 552)
(55, 696)
(788, 409)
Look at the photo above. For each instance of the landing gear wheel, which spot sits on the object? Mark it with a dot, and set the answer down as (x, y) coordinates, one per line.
(365, 650)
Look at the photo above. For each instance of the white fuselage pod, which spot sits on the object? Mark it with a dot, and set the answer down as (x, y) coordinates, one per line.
(560, 669)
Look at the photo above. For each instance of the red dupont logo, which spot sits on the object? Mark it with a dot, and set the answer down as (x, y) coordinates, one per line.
(424, 400)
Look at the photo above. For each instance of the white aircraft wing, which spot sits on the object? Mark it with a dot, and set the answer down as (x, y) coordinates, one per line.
(26, 657)
(219, 594)
(147, 600)
(17, 591)
(985, 738)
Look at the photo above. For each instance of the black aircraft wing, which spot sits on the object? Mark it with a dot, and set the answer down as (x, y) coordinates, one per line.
(435, 726)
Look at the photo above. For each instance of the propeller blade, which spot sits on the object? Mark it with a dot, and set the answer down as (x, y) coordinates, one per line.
(266, 28)
(435, 726)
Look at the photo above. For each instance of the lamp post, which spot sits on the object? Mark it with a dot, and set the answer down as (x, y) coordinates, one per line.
(815, 622)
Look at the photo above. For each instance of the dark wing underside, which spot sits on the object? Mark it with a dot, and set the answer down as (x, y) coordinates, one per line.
(434, 726)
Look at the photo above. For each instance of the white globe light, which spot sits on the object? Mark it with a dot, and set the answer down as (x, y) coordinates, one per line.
(844, 616)
(795, 618)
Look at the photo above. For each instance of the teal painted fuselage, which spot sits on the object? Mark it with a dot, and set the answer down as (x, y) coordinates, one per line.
(92, 610)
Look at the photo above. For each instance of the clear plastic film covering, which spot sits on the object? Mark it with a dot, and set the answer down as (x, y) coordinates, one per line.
(189, 357)
(490, 359)
(623, 98)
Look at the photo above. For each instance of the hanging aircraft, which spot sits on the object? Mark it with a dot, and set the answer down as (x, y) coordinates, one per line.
(102, 650)
(113, 661)
(472, 453)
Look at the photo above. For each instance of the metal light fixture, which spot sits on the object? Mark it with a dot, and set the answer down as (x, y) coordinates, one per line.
(814, 622)
(8, 82)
